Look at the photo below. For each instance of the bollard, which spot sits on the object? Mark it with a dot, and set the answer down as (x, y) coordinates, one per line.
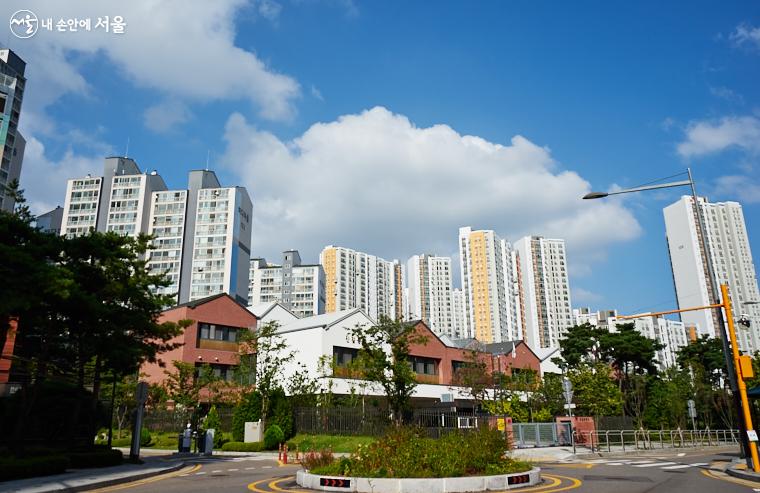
(285, 454)
(279, 452)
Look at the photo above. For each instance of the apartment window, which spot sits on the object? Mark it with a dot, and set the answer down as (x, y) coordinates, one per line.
(343, 356)
(217, 332)
(423, 366)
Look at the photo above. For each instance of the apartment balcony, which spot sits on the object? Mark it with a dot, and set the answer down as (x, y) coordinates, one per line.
(426, 378)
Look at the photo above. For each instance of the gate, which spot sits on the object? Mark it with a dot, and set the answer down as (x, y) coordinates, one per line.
(541, 434)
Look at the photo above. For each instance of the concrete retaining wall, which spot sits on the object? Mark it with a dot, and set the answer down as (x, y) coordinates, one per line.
(421, 485)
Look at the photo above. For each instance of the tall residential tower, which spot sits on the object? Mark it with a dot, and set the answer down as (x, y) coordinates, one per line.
(299, 287)
(546, 290)
(731, 257)
(429, 282)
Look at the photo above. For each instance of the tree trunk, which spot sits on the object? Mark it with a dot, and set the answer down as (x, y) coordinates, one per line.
(96, 379)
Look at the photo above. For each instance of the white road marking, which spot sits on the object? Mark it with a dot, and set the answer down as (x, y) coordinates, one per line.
(214, 472)
(266, 467)
(681, 454)
(233, 470)
(642, 462)
(678, 466)
(656, 464)
(199, 473)
(249, 468)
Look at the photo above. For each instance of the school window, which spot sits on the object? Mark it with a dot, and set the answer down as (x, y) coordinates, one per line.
(423, 366)
(217, 332)
(343, 356)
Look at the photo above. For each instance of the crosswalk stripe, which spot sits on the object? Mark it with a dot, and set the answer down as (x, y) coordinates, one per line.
(678, 466)
(642, 462)
(656, 464)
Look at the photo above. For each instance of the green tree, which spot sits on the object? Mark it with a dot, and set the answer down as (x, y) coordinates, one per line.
(595, 391)
(185, 383)
(385, 351)
(271, 355)
(629, 351)
(705, 354)
(474, 377)
(580, 345)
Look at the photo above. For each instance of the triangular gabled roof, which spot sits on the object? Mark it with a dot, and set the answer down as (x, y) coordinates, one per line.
(325, 320)
(209, 299)
(262, 309)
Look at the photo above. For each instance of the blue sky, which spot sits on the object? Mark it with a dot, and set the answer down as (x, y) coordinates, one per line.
(384, 126)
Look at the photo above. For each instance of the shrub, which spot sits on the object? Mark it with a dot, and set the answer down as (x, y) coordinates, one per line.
(243, 447)
(145, 437)
(311, 460)
(273, 437)
(212, 422)
(280, 413)
(408, 453)
(99, 457)
(28, 467)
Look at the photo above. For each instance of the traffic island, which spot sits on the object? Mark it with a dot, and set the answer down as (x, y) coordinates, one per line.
(466, 484)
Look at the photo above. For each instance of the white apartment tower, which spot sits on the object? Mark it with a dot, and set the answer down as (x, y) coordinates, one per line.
(728, 244)
(359, 280)
(492, 305)
(118, 201)
(546, 290)
(458, 327)
(202, 234)
(429, 282)
(299, 287)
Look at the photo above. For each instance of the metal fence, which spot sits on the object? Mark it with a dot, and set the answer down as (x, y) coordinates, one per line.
(622, 440)
(162, 420)
(540, 434)
(374, 422)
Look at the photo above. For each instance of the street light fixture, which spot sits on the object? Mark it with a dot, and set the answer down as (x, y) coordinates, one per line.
(713, 288)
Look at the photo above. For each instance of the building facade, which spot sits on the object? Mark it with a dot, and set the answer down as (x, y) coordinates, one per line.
(12, 143)
(492, 305)
(546, 290)
(299, 287)
(429, 281)
(459, 328)
(50, 222)
(202, 234)
(729, 250)
(359, 280)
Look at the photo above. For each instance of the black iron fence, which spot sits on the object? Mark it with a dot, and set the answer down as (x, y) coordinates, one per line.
(374, 422)
(162, 420)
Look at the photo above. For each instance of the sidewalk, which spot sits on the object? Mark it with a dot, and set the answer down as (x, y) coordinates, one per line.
(87, 479)
(544, 454)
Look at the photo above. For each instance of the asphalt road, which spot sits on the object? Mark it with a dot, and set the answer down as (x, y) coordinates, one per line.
(671, 473)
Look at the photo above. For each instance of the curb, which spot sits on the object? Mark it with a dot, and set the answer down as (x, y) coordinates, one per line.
(115, 481)
(737, 473)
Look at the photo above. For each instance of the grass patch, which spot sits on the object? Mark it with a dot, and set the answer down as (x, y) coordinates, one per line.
(163, 440)
(335, 443)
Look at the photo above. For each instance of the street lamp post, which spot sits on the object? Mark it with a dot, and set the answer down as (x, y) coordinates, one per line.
(712, 288)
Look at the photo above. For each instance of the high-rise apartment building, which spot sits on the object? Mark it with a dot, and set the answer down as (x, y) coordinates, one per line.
(400, 291)
(429, 282)
(299, 287)
(729, 250)
(492, 303)
(12, 144)
(546, 290)
(358, 280)
(202, 235)
(50, 222)
(458, 326)
(118, 201)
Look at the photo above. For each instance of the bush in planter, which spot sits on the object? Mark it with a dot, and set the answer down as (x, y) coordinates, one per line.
(273, 437)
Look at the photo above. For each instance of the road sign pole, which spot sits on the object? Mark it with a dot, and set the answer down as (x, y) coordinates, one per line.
(141, 396)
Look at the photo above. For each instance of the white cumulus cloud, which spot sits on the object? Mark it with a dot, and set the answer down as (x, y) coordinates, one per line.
(375, 182)
(746, 35)
(743, 188)
(166, 115)
(183, 48)
(709, 136)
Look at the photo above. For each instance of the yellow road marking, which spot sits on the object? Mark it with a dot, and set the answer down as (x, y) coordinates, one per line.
(730, 479)
(152, 479)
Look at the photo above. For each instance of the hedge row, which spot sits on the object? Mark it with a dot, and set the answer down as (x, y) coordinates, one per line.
(45, 465)
(243, 447)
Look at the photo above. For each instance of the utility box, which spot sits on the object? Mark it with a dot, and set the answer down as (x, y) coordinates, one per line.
(208, 438)
(252, 431)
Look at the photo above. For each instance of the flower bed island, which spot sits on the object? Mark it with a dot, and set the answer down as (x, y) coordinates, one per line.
(406, 461)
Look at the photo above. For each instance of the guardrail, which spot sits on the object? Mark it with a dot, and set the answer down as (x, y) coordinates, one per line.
(608, 440)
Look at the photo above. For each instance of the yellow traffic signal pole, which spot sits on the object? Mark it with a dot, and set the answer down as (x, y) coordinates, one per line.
(739, 377)
(742, 387)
